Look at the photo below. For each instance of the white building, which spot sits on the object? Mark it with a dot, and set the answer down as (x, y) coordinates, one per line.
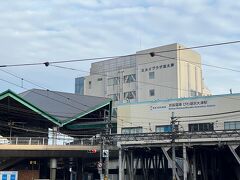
(157, 73)
(195, 114)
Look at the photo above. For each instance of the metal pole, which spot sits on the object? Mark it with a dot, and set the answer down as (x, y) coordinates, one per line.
(194, 166)
(173, 120)
(100, 167)
(184, 162)
(106, 141)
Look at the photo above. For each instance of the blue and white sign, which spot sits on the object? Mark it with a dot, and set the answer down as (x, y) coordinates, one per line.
(8, 175)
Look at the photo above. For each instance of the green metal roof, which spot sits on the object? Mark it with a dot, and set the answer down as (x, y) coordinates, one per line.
(22, 101)
(52, 118)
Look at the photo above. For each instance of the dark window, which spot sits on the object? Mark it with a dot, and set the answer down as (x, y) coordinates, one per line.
(151, 92)
(89, 84)
(130, 78)
(130, 95)
(200, 127)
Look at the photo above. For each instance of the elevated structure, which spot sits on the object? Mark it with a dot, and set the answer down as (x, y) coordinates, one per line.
(196, 137)
(33, 123)
(195, 114)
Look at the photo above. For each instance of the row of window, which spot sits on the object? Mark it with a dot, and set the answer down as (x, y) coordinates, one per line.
(127, 79)
(127, 95)
(197, 127)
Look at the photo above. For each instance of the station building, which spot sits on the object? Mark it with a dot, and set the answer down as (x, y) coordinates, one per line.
(193, 114)
(47, 134)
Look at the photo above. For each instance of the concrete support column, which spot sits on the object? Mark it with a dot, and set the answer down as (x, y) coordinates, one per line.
(80, 169)
(121, 168)
(184, 162)
(53, 168)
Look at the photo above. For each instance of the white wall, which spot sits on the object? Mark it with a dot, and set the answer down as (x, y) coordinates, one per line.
(150, 114)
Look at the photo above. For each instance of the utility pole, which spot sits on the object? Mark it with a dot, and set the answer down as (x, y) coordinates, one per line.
(104, 149)
(100, 165)
(173, 121)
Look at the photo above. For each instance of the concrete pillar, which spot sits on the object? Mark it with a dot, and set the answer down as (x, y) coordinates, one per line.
(53, 168)
(80, 169)
(121, 168)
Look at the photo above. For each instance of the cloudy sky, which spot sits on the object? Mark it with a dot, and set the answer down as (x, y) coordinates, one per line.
(51, 30)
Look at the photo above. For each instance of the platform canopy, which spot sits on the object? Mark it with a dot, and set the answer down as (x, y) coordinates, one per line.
(33, 112)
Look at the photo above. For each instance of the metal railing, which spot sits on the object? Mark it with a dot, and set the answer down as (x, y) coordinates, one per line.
(180, 135)
(68, 141)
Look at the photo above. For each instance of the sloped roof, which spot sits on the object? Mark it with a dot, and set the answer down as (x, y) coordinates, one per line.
(64, 106)
(58, 107)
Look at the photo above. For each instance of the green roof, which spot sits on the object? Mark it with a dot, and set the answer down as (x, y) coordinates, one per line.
(31, 104)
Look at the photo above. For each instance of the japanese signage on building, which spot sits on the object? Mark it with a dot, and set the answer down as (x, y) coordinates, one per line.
(153, 68)
(182, 105)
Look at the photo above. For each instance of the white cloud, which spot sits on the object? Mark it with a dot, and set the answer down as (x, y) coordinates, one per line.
(41, 30)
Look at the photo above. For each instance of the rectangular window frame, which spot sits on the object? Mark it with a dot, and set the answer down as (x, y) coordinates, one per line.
(200, 127)
(129, 95)
(151, 75)
(113, 81)
(132, 130)
(130, 78)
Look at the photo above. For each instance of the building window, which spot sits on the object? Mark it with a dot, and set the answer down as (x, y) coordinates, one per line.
(114, 112)
(151, 75)
(99, 79)
(165, 128)
(200, 127)
(133, 130)
(232, 125)
(89, 84)
(130, 95)
(79, 85)
(113, 81)
(115, 97)
(130, 78)
(151, 92)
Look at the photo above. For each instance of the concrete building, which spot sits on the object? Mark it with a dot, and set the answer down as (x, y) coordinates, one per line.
(163, 72)
(195, 114)
(201, 140)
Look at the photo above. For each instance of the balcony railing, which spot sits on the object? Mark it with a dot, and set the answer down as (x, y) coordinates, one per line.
(49, 141)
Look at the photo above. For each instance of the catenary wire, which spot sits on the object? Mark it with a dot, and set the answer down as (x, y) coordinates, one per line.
(47, 63)
(23, 79)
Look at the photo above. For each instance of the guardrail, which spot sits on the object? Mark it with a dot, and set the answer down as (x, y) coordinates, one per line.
(68, 141)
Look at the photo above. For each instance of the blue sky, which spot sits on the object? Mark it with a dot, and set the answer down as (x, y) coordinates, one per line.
(49, 30)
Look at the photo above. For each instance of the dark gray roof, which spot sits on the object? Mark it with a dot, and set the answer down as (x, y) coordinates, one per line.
(62, 105)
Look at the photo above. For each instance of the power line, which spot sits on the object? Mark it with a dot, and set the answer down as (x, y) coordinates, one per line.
(207, 115)
(160, 85)
(191, 62)
(23, 79)
(47, 63)
(40, 94)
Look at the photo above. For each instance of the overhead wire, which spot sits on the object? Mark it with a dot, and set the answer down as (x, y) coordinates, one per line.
(55, 62)
(23, 79)
(47, 63)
